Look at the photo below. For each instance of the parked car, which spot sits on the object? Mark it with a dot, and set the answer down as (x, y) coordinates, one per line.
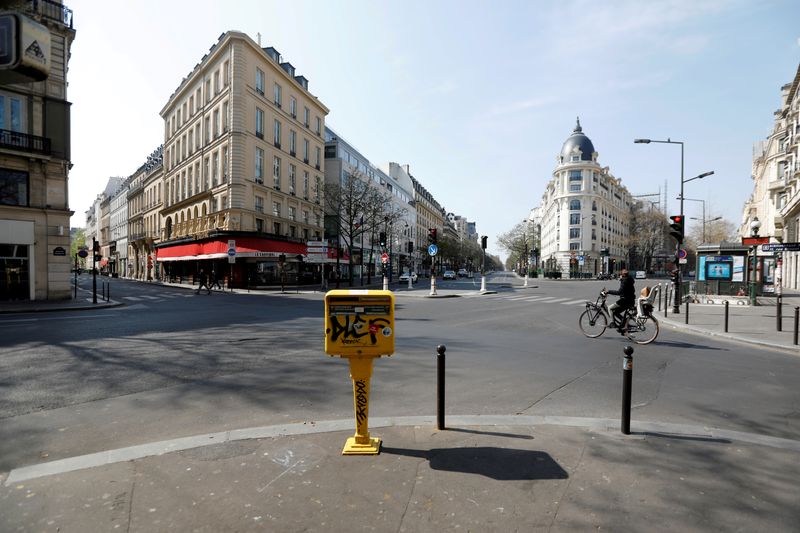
(449, 274)
(404, 277)
(462, 272)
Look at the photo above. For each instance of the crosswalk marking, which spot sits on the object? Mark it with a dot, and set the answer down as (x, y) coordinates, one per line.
(151, 297)
(131, 298)
(557, 300)
(574, 302)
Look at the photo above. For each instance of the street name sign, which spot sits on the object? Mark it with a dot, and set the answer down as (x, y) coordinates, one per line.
(781, 247)
(433, 250)
(317, 250)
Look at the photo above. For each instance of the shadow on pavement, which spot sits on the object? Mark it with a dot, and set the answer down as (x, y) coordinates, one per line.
(693, 346)
(492, 433)
(501, 464)
(700, 438)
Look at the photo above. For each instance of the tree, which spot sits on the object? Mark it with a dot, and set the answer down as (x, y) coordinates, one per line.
(357, 212)
(78, 242)
(717, 229)
(648, 234)
(517, 241)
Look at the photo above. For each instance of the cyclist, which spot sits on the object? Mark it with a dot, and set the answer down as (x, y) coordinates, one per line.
(627, 298)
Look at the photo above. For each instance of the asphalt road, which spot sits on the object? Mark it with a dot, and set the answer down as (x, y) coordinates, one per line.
(171, 363)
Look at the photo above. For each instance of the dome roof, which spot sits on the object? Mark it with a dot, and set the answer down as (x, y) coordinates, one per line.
(579, 140)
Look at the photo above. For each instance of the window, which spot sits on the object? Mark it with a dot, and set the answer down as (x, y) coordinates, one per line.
(277, 134)
(305, 234)
(292, 178)
(594, 205)
(216, 85)
(305, 151)
(305, 216)
(259, 225)
(292, 213)
(215, 168)
(208, 130)
(226, 73)
(292, 231)
(305, 184)
(276, 228)
(216, 123)
(208, 91)
(317, 187)
(259, 165)
(225, 116)
(225, 163)
(574, 218)
(259, 204)
(276, 209)
(259, 123)
(15, 121)
(292, 142)
(330, 152)
(319, 126)
(317, 154)
(259, 81)
(276, 95)
(224, 202)
(575, 175)
(276, 171)
(293, 106)
(574, 205)
(13, 187)
(574, 187)
(207, 168)
(306, 116)
(574, 246)
(574, 233)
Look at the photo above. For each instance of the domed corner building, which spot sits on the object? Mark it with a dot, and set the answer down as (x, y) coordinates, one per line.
(584, 214)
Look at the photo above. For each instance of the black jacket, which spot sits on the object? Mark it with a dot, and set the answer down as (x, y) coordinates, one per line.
(626, 292)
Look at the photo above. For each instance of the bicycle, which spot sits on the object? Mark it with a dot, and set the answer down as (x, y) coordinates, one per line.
(639, 324)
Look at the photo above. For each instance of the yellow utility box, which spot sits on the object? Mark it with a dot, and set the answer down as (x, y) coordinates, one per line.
(359, 325)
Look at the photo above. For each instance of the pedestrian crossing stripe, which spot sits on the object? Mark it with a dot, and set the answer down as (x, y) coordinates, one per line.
(131, 298)
(151, 297)
(557, 300)
(574, 302)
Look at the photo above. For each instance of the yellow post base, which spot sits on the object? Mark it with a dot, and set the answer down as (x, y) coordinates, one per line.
(351, 447)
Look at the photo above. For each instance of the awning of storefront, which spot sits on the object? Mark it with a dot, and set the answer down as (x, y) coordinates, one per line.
(218, 249)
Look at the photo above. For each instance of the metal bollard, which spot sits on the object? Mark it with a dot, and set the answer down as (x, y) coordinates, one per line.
(666, 302)
(660, 295)
(726, 316)
(627, 379)
(440, 386)
(779, 314)
(686, 321)
(796, 323)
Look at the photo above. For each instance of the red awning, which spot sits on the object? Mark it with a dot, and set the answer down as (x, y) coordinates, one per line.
(218, 249)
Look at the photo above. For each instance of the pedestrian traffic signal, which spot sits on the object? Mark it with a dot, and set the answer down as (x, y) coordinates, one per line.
(432, 235)
(676, 228)
(382, 238)
(484, 239)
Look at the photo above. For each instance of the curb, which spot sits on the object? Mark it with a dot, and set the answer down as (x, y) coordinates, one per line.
(728, 336)
(57, 308)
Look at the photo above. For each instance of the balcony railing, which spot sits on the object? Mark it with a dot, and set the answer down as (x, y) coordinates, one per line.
(24, 142)
(53, 11)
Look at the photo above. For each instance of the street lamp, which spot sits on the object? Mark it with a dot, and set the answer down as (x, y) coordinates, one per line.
(677, 299)
(525, 237)
(754, 226)
(410, 261)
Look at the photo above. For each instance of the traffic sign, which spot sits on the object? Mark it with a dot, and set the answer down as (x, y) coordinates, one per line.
(231, 252)
(681, 254)
(316, 243)
(433, 250)
(384, 258)
(83, 253)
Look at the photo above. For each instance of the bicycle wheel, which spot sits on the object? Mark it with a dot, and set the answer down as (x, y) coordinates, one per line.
(642, 330)
(593, 323)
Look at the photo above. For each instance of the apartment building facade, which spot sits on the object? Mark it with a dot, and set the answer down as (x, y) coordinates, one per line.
(584, 213)
(775, 199)
(243, 142)
(34, 167)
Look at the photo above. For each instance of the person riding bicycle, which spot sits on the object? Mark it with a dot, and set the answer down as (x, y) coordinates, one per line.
(627, 297)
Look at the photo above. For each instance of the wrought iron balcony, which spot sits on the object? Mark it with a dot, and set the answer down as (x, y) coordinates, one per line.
(24, 142)
(52, 10)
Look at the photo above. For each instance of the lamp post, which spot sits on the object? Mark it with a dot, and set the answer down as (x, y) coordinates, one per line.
(754, 226)
(525, 238)
(677, 299)
(410, 258)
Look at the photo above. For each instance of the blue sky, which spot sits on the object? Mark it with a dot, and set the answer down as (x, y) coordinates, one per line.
(478, 97)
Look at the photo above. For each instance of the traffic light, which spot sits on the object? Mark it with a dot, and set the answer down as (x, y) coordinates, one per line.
(95, 246)
(382, 238)
(484, 239)
(411, 247)
(432, 235)
(676, 228)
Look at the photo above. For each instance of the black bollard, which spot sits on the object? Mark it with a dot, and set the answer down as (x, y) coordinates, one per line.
(796, 323)
(660, 295)
(779, 315)
(627, 379)
(440, 386)
(666, 302)
(686, 321)
(726, 316)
